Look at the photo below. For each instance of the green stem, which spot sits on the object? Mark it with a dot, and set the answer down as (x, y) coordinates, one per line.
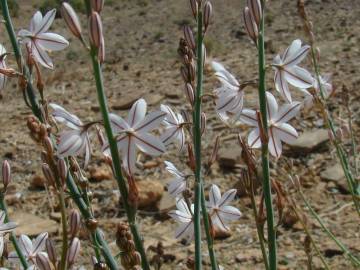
(197, 141)
(328, 232)
(63, 262)
(265, 149)
(339, 149)
(13, 239)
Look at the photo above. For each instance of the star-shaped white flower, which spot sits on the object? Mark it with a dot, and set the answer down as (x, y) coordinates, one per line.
(2, 66)
(178, 184)
(134, 133)
(287, 70)
(278, 129)
(174, 127)
(219, 209)
(326, 87)
(4, 228)
(75, 141)
(30, 248)
(38, 41)
(184, 216)
(230, 96)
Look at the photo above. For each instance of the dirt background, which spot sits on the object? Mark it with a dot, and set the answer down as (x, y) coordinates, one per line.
(141, 61)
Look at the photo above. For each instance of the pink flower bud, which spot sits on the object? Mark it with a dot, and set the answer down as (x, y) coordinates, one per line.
(250, 25)
(62, 168)
(101, 52)
(95, 29)
(42, 261)
(255, 10)
(207, 14)
(189, 91)
(203, 123)
(97, 5)
(50, 250)
(73, 251)
(48, 175)
(189, 37)
(48, 146)
(74, 222)
(6, 173)
(194, 7)
(71, 19)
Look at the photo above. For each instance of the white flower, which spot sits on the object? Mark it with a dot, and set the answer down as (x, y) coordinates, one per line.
(184, 216)
(287, 71)
(278, 129)
(30, 248)
(2, 66)
(134, 133)
(178, 184)
(72, 142)
(326, 87)
(38, 41)
(230, 96)
(4, 228)
(219, 210)
(174, 127)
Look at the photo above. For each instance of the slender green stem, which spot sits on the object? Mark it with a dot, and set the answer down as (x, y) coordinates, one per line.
(197, 141)
(13, 239)
(265, 149)
(355, 260)
(63, 262)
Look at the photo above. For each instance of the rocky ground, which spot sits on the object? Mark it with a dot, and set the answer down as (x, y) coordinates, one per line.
(141, 61)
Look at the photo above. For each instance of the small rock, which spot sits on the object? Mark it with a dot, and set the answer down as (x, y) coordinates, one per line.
(310, 141)
(150, 193)
(154, 99)
(229, 156)
(333, 173)
(221, 234)
(33, 225)
(98, 174)
(38, 181)
(126, 101)
(166, 204)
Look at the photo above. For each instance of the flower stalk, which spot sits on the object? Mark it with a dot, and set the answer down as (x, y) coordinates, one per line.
(264, 147)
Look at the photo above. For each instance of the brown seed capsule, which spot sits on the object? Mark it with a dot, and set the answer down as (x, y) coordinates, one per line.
(207, 14)
(255, 10)
(74, 222)
(95, 29)
(91, 224)
(189, 91)
(71, 19)
(50, 250)
(250, 25)
(42, 261)
(73, 251)
(97, 5)
(6, 173)
(189, 37)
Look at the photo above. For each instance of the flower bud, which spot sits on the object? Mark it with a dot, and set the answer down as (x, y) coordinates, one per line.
(101, 52)
(74, 222)
(73, 251)
(194, 8)
(203, 123)
(71, 19)
(62, 168)
(192, 72)
(250, 25)
(255, 10)
(97, 5)
(95, 29)
(207, 14)
(189, 37)
(48, 146)
(185, 74)
(48, 174)
(42, 261)
(50, 250)
(189, 91)
(6, 173)
(192, 163)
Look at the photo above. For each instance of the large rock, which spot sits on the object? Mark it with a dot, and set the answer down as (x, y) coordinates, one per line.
(310, 141)
(33, 225)
(333, 173)
(229, 156)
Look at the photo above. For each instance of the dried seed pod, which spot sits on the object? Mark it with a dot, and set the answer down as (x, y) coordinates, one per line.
(95, 29)
(42, 261)
(97, 5)
(250, 25)
(207, 15)
(51, 251)
(189, 91)
(255, 10)
(73, 251)
(48, 175)
(71, 19)
(189, 37)
(75, 222)
(6, 173)
(194, 8)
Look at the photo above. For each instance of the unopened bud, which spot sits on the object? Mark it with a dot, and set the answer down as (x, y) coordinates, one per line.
(207, 14)
(189, 91)
(185, 74)
(192, 72)
(48, 146)
(42, 131)
(203, 123)
(101, 52)
(6, 173)
(62, 168)
(50, 250)
(71, 19)
(97, 5)
(317, 50)
(192, 163)
(255, 10)
(74, 222)
(42, 261)
(250, 25)
(73, 251)
(194, 8)
(204, 54)
(95, 29)
(48, 175)
(189, 37)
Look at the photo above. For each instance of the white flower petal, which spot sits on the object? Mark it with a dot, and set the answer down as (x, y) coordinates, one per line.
(223, 75)
(71, 143)
(149, 144)
(26, 245)
(35, 21)
(214, 195)
(137, 112)
(275, 146)
(271, 104)
(249, 117)
(129, 154)
(286, 133)
(150, 122)
(298, 77)
(227, 197)
(170, 167)
(295, 57)
(52, 41)
(45, 23)
(228, 212)
(118, 124)
(185, 230)
(254, 138)
(180, 216)
(218, 222)
(63, 116)
(39, 243)
(40, 55)
(287, 112)
(176, 186)
(281, 85)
